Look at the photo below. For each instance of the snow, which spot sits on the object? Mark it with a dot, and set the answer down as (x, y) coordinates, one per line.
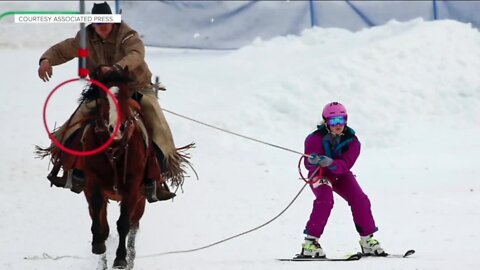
(413, 94)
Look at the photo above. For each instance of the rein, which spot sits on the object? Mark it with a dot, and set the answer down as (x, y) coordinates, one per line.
(112, 156)
(112, 153)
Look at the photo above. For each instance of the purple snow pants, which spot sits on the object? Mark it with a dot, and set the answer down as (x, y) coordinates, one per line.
(347, 187)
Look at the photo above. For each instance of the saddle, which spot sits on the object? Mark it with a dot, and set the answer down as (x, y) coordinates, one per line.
(73, 177)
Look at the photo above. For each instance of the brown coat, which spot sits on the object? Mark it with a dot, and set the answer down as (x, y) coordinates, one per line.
(123, 47)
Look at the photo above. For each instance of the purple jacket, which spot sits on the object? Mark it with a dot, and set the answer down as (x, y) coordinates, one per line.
(344, 150)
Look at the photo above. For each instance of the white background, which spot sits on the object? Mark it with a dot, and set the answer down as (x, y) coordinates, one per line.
(413, 95)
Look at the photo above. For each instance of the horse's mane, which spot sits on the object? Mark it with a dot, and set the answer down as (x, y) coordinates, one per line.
(93, 91)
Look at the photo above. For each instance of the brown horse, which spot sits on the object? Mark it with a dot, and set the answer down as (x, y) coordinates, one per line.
(118, 172)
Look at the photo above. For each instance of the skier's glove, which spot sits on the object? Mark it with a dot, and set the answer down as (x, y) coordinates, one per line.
(323, 161)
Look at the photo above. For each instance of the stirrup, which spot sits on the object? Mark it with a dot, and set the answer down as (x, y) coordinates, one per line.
(77, 181)
(150, 191)
(156, 193)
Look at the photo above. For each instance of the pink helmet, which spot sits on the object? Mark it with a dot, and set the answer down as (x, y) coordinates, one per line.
(334, 109)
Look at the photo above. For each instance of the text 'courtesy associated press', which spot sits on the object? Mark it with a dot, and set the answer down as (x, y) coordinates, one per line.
(67, 18)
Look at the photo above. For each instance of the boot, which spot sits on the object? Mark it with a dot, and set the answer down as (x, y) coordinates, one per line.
(157, 191)
(371, 246)
(73, 179)
(311, 248)
(54, 179)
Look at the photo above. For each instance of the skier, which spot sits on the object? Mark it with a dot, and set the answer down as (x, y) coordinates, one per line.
(335, 148)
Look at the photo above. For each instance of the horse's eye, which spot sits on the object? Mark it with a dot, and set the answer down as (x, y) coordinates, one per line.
(110, 129)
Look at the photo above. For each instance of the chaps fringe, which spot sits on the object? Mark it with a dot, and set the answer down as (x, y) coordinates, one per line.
(53, 151)
(177, 164)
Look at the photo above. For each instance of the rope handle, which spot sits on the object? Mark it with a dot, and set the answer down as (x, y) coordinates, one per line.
(306, 179)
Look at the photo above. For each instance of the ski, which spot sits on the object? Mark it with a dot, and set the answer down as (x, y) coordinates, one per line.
(352, 257)
(388, 255)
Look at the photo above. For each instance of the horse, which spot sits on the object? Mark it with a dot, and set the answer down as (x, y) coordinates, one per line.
(118, 172)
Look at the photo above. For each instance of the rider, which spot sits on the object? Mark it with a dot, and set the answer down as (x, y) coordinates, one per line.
(334, 148)
(116, 46)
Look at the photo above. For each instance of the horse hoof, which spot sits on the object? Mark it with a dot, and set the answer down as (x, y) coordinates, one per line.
(99, 248)
(119, 263)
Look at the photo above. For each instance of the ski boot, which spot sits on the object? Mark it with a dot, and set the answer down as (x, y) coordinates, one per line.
(311, 248)
(371, 247)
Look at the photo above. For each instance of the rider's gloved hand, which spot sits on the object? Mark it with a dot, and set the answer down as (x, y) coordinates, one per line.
(106, 69)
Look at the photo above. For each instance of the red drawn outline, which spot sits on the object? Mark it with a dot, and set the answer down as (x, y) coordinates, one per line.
(306, 179)
(75, 152)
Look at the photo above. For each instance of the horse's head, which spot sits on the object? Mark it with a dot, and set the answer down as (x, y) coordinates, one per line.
(108, 117)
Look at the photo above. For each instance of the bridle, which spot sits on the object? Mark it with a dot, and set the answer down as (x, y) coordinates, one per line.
(116, 149)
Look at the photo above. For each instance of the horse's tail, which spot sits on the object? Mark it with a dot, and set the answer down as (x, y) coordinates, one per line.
(177, 164)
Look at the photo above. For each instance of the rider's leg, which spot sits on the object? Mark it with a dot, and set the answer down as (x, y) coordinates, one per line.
(67, 134)
(161, 135)
(155, 187)
(73, 177)
(174, 160)
(156, 123)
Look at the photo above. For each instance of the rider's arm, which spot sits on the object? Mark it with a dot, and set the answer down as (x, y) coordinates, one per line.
(62, 52)
(134, 50)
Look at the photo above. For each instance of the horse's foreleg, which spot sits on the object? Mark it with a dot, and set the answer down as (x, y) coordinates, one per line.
(135, 216)
(123, 227)
(102, 262)
(131, 253)
(98, 212)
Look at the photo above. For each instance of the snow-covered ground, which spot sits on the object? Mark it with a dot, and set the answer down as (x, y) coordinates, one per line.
(413, 94)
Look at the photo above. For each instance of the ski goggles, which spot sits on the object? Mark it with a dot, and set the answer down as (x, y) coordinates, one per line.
(336, 121)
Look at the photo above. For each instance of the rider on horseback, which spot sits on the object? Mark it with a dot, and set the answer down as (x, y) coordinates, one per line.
(116, 46)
